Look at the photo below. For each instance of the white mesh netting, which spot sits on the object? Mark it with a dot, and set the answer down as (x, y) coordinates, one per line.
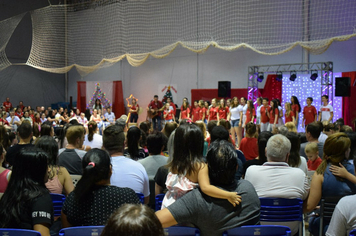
(99, 33)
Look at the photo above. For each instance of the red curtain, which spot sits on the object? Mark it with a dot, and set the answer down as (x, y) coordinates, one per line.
(272, 89)
(348, 107)
(81, 96)
(118, 103)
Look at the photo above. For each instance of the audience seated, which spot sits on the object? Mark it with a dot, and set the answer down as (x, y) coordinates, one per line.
(137, 220)
(324, 183)
(134, 150)
(93, 139)
(25, 134)
(4, 173)
(218, 214)
(71, 156)
(58, 176)
(26, 203)
(294, 159)
(275, 178)
(312, 133)
(249, 145)
(94, 200)
(126, 172)
(155, 145)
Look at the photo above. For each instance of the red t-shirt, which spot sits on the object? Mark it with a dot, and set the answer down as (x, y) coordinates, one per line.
(156, 105)
(249, 147)
(313, 165)
(19, 115)
(272, 117)
(201, 113)
(264, 110)
(290, 117)
(169, 113)
(133, 107)
(174, 107)
(309, 114)
(223, 112)
(213, 113)
(184, 113)
(248, 115)
(295, 109)
(7, 105)
(195, 113)
(4, 121)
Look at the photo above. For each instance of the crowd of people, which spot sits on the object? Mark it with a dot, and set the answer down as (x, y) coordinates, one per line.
(212, 160)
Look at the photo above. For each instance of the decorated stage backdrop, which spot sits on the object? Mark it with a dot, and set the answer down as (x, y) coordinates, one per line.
(109, 92)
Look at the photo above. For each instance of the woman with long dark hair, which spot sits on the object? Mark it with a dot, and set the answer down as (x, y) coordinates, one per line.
(93, 139)
(296, 109)
(134, 150)
(94, 199)
(26, 203)
(295, 160)
(273, 115)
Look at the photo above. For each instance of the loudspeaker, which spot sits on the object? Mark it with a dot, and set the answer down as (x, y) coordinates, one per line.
(342, 87)
(224, 90)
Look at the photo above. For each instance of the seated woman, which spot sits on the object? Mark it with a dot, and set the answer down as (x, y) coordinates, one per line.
(59, 177)
(94, 200)
(138, 220)
(26, 203)
(93, 139)
(324, 183)
(133, 149)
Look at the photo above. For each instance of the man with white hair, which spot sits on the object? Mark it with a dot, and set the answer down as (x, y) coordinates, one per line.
(275, 178)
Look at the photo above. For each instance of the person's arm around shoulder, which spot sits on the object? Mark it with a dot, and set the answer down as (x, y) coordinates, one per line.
(342, 172)
(67, 181)
(212, 191)
(315, 193)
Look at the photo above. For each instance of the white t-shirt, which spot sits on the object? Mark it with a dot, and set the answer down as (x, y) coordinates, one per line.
(235, 112)
(130, 174)
(258, 111)
(244, 109)
(97, 141)
(325, 112)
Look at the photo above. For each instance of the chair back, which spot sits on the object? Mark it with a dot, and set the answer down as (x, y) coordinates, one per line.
(82, 231)
(19, 232)
(159, 199)
(327, 207)
(261, 230)
(75, 179)
(141, 197)
(58, 201)
(181, 231)
(352, 232)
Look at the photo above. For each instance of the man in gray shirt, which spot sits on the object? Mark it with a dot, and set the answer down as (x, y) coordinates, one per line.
(212, 215)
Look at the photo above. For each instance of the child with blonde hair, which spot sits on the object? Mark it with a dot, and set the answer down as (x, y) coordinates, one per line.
(312, 152)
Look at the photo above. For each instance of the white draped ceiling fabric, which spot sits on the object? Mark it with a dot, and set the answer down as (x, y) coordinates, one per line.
(99, 33)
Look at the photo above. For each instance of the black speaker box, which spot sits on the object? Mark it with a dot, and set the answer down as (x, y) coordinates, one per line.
(224, 89)
(342, 86)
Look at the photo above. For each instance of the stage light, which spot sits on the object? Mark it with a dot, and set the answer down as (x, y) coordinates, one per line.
(260, 77)
(314, 75)
(279, 76)
(293, 75)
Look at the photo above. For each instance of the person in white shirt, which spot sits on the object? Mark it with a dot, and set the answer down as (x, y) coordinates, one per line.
(275, 178)
(83, 120)
(93, 139)
(13, 120)
(326, 110)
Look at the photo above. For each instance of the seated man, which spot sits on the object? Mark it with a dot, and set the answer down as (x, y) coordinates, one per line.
(155, 145)
(312, 133)
(71, 157)
(275, 178)
(125, 171)
(212, 215)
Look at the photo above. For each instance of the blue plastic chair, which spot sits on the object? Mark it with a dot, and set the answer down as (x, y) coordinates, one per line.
(19, 232)
(261, 230)
(82, 231)
(352, 232)
(282, 210)
(58, 201)
(141, 197)
(159, 199)
(181, 231)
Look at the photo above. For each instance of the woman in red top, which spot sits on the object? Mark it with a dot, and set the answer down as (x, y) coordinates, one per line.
(133, 111)
(202, 111)
(273, 115)
(213, 111)
(289, 115)
(3, 120)
(206, 105)
(195, 111)
(296, 109)
(250, 113)
(223, 111)
(184, 111)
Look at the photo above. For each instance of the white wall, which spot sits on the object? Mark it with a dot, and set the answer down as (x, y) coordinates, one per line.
(190, 71)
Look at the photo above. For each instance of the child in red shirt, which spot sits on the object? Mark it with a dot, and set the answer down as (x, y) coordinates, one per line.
(289, 115)
(309, 112)
(195, 111)
(248, 144)
(311, 150)
(168, 113)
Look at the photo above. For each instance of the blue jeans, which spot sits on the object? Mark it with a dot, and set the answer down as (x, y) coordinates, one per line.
(156, 121)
